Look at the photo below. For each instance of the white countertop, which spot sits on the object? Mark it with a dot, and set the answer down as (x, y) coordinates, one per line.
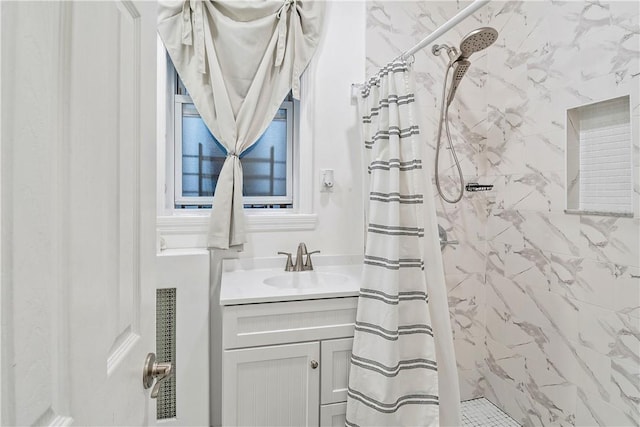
(243, 280)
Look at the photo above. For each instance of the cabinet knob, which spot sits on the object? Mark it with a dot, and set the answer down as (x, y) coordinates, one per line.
(314, 364)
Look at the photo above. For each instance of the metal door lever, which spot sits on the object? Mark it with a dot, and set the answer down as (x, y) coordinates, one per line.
(160, 371)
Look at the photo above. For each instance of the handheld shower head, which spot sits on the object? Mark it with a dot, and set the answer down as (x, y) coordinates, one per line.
(460, 68)
(477, 40)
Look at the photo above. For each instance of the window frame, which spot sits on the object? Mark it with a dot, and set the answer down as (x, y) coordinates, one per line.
(174, 152)
(182, 229)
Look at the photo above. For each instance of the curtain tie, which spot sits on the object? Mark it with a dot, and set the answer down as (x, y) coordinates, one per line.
(232, 154)
(193, 30)
(282, 30)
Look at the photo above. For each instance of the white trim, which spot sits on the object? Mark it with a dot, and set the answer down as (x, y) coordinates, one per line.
(60, 421)
(165, 156)
(274, 221)
(175, 141)
(190, 231)
(63, 366)
(304, 134)
(162, 123)
(2, 285)
(264, 221)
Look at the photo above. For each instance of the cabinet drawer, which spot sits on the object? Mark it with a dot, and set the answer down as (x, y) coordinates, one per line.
(285, 322)
(334, 376)
(333, 415)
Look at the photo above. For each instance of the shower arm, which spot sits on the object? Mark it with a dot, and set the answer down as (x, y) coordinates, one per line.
(451, 51)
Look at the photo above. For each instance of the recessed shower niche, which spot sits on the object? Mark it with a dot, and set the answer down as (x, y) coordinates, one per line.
(599, 158)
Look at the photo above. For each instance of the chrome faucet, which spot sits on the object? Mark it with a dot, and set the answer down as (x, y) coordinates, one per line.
(300, 254)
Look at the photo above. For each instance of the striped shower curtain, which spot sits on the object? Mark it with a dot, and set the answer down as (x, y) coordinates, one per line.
(393, 379)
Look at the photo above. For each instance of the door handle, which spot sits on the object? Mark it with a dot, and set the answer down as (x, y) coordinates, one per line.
(160, 371)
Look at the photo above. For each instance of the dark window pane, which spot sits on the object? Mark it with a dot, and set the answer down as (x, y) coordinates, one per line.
(202, 158)
(264, 164)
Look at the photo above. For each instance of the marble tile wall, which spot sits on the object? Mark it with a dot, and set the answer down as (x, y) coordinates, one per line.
(545, 305)
(562, 291)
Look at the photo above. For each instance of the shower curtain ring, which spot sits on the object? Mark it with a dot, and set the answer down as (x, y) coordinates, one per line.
(410, 59)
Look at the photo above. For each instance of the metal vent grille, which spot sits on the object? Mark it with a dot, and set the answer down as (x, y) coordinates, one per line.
(166, 349)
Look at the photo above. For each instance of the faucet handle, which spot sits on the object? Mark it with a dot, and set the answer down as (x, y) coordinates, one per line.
(289, 266)
(308, 265)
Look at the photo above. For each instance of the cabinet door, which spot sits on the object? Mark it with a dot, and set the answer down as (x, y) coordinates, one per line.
(271, 386)
(336, 360)
(334, 415)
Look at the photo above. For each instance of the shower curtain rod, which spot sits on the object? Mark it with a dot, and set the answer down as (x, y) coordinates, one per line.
(459, 17)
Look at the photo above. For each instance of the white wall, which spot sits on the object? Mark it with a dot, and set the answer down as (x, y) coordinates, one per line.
(562, 292)
(338, 62)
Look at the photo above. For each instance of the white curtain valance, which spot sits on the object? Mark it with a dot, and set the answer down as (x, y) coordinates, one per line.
(238, 60)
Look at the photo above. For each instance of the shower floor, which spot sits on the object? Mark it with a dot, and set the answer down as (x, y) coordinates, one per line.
(482, 413)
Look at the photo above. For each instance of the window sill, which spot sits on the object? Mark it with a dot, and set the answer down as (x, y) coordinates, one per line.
(190, 231)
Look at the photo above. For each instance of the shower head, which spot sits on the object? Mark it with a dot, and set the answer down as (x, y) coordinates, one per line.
(477, 40)
(459, 68)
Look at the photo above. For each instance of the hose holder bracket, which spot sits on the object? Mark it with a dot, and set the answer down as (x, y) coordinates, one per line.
(474, 186)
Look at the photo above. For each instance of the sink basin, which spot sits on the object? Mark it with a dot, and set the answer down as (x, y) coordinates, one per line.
(250, 281)
(305, 280)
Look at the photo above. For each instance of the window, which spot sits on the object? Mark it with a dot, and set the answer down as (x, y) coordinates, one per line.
(198, 158)
(183, 216)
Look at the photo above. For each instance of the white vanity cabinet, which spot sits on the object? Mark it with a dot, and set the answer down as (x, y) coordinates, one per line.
(286, 363)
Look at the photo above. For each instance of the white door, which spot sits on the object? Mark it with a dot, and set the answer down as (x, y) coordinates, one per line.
(271, 386)
(77, 211)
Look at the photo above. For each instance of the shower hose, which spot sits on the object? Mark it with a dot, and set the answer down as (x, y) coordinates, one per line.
(444, 117)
